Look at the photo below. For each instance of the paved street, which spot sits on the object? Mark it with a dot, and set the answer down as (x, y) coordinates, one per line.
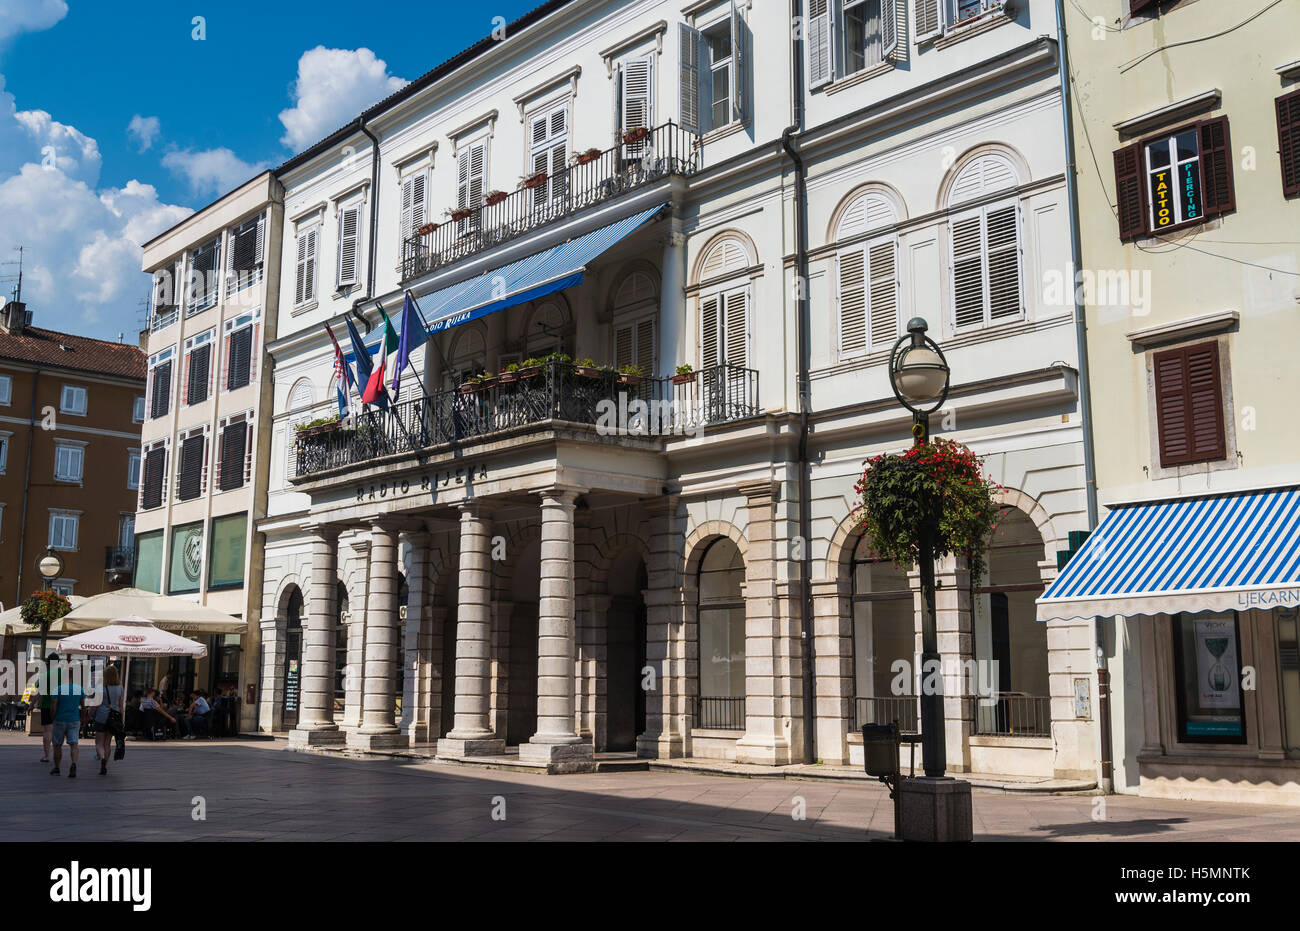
(255, 790)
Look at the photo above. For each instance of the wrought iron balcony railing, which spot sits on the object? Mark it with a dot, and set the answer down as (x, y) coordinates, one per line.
(722, 714)
(616, 405)
(591, 179)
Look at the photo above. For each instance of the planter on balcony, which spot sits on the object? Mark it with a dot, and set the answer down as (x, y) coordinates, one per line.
(507, 378)
(426, 229)
(534, 180)
(460, 213)
(587, 371)
(584, 158)
(684, 378)
(635, 135)
(492, 198)
(531, 372)
(630, 380)
(319, 430)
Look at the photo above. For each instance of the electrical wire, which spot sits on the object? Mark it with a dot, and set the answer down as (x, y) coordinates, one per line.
(1156, 51)
(1093, 19)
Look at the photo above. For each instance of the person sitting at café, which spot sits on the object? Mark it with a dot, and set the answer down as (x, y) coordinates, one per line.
(197, 714)
(154, 714)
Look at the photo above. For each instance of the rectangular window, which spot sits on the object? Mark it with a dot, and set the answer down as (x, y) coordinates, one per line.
(6, 390)
(189, 479)
(868, 297)
(68, 462)
(724, 328)
(233, 454)
(61, 587)
(240, 349)
(198, 367)
(155, 477)
(226, 552)
(635, 104)
(414, 210)
(1174, 180)
(205, 270)
(305, 280)
(246, 255)
(63, 530)
(133, 462)
(165, 298)
(1288, 142)
(148, 561)
(4, 453)
(137, 409)
(471, 181)
(1207, 677)
(635, 343)
(548, 138)
(160, 383)
(186, 566)
(349, 240)
(125, 531)
(1189, 404)
(863, 39)
(986, 265)
(73, 399)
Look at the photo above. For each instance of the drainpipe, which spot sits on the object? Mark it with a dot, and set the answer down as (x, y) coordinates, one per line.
(374, 222)
(27, 484)
(804, 327)
(1085, 391)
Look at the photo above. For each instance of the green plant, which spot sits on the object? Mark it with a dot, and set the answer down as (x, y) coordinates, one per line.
(511, 368)
(318, 422)
(685, 369)
(940, 484)
(635, 370)
(43, 608)
(588, 363)
(531, 362)
(558, 357)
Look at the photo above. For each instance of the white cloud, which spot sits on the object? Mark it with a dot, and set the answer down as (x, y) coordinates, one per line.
(333, 86)
(29, 15)
(62, 146)
(211, 171)
(143, 130)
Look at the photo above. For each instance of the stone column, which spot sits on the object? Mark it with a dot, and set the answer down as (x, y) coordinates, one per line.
(556, 743)
(378, 729)
(437, 618)
(668, 643)
(593, 671)
(1071, 654)
(271, 699)
(833, 667)
(952, 610)
(354, 672)
(672, 300)
(316, 709)
(767, 663)
(471, 734)
(416, 640)
(503, 613)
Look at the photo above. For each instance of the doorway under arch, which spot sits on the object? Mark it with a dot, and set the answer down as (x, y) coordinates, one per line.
(521, 690)
(625, 652)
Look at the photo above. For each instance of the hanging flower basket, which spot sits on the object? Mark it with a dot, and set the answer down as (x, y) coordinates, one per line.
(941, 484)
(43, 608)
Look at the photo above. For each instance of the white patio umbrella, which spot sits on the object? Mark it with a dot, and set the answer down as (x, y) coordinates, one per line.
(163, 611)
(11, 621)
(131, 636)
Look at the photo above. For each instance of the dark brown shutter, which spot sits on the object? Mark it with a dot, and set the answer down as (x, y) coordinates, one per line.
(234, 445)
(1216, 166)
(241, 345)
(1137, 6)
(155, 462)
(191, 478)
(1288, 142)
(162, 389)
(244, 250)
(1189, 404)
(1130, 191)
(200, 363)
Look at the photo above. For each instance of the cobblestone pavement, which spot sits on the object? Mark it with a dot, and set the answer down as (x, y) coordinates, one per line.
(256, 790)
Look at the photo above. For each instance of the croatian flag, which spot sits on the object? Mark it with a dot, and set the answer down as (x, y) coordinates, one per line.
(387, 344)
(413, 336)
(342, 377)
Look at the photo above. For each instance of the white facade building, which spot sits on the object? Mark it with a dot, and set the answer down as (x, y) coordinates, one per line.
(514, 572)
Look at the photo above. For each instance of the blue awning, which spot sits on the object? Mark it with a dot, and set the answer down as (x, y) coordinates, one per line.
(529, 278)
(1205, 553)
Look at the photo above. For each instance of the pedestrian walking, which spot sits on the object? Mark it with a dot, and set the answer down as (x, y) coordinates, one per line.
(66, 705)
(45, 690)
(109, 717)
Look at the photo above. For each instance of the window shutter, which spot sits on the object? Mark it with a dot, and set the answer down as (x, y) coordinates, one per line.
(883, 267)
(1288, 142)
(929, 19)
(1003, 251)
(736, 304)
(1216, 166)
(190, 484)
(1189, 404)
(890, 28)
(645, 345)
(688, 78)
(243, 251)
(199, 364)
(305, 288)
(737, 64)
(967, 271)
(624, 346)
(853, 303)
(234, 439)
(817, 34)
(637, 100)
(1130, 191)
(162, 386)
(241, 344)
(408, 194)
(349, 223)
(155, 463)
(710, 337)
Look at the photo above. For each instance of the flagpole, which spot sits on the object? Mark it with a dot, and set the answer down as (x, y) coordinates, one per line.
(414, 372)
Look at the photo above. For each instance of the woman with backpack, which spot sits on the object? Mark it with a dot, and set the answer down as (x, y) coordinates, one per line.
(109, 717)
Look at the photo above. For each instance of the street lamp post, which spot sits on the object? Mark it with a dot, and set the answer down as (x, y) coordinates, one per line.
(49, 566)
(918, 373)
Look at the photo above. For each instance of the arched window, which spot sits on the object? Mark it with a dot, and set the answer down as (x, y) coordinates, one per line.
(292, 672)
(546, 326)
(636, 322)
(867, 275)
(724, 305)
(985, 243)
(301, 394)
(1007, 634)
(468, 356)
(722, 637)
(884, 632)
(340, 646)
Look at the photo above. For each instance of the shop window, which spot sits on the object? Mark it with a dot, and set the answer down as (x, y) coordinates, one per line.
(186, 559)
(1174, 180)
(883, 633)
(721, 638)
(226, 552)
(1207, 678)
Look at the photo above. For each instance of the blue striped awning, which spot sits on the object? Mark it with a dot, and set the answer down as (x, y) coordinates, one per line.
(529, 278)
(1206, 553)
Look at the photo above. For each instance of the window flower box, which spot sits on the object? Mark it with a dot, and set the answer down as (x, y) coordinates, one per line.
(426, 229)
(459, 213)
(684, 375)
(492, 198)
(534, 180)
(635, 135)
(584, 158)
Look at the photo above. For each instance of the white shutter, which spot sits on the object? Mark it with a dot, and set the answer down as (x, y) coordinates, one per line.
(638, 100)
(883, 292)
(1003, 251)
(967, 270)
(736, 349)
(737, 64)
(890, 28)
(471, 169)
(305, 286)
(929, 18)
(817, 36)
(852, 303)
(349, 227)
(688, 79)
(710, 335)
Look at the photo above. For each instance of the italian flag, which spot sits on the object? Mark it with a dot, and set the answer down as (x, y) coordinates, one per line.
(375, 387)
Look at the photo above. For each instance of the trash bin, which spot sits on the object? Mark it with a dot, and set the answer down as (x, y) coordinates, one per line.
(880, 750)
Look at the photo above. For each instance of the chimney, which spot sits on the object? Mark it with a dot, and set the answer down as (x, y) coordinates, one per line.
(143, 339)
(14, 317)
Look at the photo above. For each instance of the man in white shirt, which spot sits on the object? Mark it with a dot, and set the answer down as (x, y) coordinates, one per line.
(198, 713)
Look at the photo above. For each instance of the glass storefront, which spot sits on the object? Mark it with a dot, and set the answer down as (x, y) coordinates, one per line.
(1207, 672)
(722, 622)
(226, 552)
(148, 561)
(186, 559)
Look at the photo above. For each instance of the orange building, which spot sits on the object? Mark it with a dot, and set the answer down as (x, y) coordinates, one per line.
(70, 415)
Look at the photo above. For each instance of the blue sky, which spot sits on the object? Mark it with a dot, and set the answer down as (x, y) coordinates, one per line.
(116, 120)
